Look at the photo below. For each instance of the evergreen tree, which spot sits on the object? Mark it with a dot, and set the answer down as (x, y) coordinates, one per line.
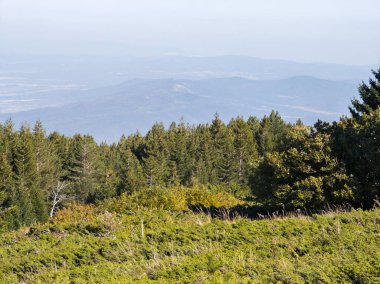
(8, 208)
(357, 144)
(180, 163)
(29, 195)
(107, 177)
(47, 160)
(201, 145)
(370, 97)
(129, 170)
(304, 175)
(60, 145)
(155, 158)
(245, 150)
(357, 141)
(272, 133)
(83, 167)
(222, 152)
(8, 202)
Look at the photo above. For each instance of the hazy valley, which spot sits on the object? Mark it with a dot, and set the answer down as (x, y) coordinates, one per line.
(111, 96)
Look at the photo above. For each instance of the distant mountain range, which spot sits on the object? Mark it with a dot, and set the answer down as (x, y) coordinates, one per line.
(102, 71)
(107, 112)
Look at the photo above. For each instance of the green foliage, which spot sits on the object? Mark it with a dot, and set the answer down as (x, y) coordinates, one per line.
(357, 144)
(305, 175)
(85, 244)
(129, 169)
(272, 133)
(245, 149)
(173, 199)
(369, 95)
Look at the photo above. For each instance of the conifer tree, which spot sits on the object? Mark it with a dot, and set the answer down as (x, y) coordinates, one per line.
(369, 95)
(47, 160)
(156, 156)
(201, 143)
(7, 193)
(304, 175)
(222, 151)
(61, 147)
(129, 170)
(29, 195)
(245, 149)
(83, 167)
(107, 173)
(357, 141)
(272, 133)
(357, 144)
(180, 164)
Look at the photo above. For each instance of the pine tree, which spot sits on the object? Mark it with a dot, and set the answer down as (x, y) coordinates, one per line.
(107, 173)
(272, 133)
(370, 97)
(180, 163)
(129, 170)
(47, 160)
(155, 158)
(304, 175)
(222, 151)
(357, 144)
(29, 195)
(83, 167)
(245, 149)
(201, 145)
(61, 147)
(8, 202)
(7, 193)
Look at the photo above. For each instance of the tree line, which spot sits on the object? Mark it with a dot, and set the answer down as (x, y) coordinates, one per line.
(272, 162)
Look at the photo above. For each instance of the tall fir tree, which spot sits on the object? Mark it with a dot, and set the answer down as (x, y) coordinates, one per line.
(369, 97)
(222, 152)
(155, 158)
(129, 170)
(32, 202)
(83, 167)
(272, 133)
(47, 160)
(245, 148)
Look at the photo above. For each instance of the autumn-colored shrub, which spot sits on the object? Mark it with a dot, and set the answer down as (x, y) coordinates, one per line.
(174, 199)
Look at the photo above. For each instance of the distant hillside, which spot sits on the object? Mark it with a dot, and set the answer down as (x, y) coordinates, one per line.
(101, 71)
(136, 104)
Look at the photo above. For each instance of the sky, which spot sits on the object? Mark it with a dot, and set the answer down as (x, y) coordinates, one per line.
(338, 31)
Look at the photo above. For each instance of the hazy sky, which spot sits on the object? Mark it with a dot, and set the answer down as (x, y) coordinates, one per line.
(342, 31)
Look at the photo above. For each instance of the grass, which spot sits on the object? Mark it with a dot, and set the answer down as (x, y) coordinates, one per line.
(85, 244)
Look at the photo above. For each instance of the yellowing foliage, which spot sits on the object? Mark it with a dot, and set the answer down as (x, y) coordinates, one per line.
(174, 199)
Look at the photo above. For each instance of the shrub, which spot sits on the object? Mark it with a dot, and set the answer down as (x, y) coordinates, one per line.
(173, 199)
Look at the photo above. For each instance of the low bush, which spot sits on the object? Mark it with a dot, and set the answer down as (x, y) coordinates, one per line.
(173, 199)
(163, 246)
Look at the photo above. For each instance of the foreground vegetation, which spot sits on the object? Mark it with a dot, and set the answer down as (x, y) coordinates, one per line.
(87, 244)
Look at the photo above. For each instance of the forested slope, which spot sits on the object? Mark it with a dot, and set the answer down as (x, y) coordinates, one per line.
(268, 162)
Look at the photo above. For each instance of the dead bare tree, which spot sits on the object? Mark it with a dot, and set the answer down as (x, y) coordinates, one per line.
(58, 196)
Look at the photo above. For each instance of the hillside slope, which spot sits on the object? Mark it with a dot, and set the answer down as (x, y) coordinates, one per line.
(88, 245)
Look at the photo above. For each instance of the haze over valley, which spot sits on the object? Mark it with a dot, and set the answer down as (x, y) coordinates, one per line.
(109, 96)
